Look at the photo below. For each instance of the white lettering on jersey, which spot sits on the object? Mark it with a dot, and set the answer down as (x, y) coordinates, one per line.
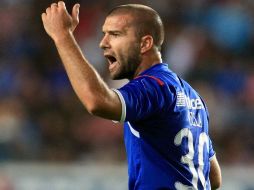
(184, 101)
(180, 99)
(195, 121)
(192, 104)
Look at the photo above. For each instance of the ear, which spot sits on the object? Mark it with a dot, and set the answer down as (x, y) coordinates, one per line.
(146, 43)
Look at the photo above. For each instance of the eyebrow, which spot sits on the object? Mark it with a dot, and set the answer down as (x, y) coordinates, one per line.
(114, 32)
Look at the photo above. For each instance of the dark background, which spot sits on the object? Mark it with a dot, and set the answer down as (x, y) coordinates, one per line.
(208, 43)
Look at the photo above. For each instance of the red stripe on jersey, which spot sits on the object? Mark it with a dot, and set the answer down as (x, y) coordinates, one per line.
(160, 82)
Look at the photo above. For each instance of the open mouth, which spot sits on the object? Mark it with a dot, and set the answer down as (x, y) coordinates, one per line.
(112, 61)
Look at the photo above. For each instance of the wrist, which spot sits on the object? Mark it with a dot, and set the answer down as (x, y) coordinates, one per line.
(65, 36)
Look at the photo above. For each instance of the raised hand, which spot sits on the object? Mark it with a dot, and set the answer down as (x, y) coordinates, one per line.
(58, 22)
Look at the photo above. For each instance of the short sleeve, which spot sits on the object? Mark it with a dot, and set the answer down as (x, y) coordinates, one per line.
(143, 97)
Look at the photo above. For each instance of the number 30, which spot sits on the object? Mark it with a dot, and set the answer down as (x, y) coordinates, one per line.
(188, 158)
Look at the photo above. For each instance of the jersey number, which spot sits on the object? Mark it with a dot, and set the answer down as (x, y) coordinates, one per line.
(188, 158)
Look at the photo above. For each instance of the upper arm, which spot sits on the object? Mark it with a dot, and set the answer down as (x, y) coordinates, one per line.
(215, 173)
(108, 106)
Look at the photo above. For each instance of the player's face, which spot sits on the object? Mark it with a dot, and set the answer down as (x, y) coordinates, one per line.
(121, 46)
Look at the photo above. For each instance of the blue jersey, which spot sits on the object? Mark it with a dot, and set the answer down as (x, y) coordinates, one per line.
(165, 132)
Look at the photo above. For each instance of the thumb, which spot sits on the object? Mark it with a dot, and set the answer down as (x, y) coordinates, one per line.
(75, 12)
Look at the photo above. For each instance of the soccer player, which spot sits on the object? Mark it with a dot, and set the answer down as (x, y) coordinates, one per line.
(165, 120)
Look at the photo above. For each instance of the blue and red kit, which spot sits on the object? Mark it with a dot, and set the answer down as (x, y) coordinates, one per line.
(165, 132)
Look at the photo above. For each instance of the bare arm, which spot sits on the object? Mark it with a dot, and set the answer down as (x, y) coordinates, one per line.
(215, 174)
(88, 85)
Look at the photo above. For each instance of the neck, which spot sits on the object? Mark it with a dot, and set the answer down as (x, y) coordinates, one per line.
(148, 61)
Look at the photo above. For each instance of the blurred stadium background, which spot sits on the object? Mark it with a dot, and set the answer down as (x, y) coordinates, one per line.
(48, 140)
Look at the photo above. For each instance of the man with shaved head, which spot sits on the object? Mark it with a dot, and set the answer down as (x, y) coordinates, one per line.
(145, 20)
(165, 120)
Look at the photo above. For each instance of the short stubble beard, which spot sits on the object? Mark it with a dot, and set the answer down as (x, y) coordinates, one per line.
(129, 64)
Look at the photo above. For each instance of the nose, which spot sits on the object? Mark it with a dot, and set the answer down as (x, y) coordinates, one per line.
(104, 44)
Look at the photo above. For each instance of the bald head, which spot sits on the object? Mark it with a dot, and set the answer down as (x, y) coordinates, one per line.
(145, 20)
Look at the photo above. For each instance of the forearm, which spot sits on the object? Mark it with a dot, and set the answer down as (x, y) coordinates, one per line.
(88, 85)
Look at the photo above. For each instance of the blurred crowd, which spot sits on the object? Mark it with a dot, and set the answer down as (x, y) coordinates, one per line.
(209, 43)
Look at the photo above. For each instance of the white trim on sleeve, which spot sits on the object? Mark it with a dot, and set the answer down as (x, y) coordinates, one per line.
(123, 115)
(212, 157)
